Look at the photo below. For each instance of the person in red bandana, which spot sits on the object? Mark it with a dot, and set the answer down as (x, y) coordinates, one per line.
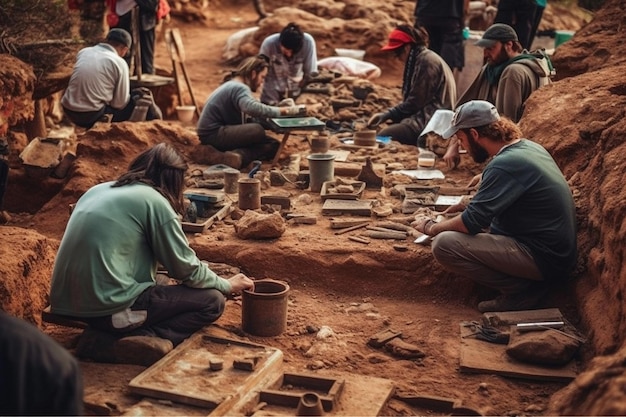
(427, 85)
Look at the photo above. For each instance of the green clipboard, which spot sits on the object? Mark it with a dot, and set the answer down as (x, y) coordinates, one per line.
(298, 123)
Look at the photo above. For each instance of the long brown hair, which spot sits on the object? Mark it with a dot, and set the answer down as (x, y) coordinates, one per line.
(254, 63)
(161, 167)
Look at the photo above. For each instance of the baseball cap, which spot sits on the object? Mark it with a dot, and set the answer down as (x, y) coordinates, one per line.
(397, 39)
(498, 32)
(121, 36)
(474, 113)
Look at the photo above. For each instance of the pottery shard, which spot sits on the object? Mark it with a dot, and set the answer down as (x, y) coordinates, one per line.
(548, 347)
(255, 225)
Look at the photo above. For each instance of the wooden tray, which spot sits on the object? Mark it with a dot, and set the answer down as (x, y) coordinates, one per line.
(184, 376)
(294, 123)
(220, 211)
(359, 187)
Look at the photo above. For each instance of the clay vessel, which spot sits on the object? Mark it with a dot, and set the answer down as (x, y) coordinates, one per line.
(310, 405)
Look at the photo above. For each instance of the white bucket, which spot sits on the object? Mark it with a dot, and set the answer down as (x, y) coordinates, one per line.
(185, 113)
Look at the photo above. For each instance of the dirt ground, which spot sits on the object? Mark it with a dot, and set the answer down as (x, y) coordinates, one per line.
(359, 289)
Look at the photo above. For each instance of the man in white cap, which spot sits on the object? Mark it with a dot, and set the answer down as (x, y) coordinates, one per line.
(100, 83)
(508, 78)
(518, 233)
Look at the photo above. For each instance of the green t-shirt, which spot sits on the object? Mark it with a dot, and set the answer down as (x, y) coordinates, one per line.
(109, 253)
(524, 195)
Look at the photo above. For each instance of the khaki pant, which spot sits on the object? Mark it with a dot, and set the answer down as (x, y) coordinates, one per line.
(496, 261)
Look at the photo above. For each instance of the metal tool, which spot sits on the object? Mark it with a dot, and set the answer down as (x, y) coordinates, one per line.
(542, 325)
(255, 168)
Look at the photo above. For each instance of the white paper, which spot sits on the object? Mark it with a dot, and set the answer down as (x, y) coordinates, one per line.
(423, 174)
(448, 200)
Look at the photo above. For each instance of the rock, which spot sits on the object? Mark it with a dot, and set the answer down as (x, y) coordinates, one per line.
(548, 347)
(255, 225)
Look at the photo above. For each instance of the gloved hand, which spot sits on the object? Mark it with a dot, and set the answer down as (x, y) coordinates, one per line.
(377, 119)
(299, 110)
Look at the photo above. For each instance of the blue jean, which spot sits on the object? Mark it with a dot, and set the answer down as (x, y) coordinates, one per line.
(175, 312)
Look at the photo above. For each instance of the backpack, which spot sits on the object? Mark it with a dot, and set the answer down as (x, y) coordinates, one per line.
(544, 61)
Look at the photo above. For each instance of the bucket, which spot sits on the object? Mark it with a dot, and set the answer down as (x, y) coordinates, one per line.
(231, 178)
(321, 169)
(264, 309)
(185, 113)
(249, 193)
(562, 36)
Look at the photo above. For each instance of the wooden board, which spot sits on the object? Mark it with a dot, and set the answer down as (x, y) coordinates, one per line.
(509, 318)
(334, 207)
(183, 375)
(478, 356)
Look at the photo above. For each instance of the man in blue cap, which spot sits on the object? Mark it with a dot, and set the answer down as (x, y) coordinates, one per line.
(508, 78)
(517, 235)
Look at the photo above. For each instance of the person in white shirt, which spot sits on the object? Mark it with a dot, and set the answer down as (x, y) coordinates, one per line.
(293, 61)
(100, 83)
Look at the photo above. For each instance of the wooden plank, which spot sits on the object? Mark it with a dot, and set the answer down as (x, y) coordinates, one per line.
(343, 223)
(478, 356)
(354, 207)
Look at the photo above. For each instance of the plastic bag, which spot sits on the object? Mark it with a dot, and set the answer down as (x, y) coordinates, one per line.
(350, 66)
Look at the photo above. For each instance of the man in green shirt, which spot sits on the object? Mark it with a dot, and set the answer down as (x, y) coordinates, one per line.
(518, 233)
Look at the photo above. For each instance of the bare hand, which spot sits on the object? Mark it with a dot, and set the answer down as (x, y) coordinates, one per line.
(475, 181)
(240, 282)
(421, 222)
(455, 208)
(377, 119)
(295, 110)
(452, 156)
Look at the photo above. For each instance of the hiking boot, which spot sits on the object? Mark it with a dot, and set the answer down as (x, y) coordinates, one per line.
(526, 300)
(96, 345)
(141, 350)
(233, 159)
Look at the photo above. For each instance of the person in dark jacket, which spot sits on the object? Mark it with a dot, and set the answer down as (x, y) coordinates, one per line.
(427, 85)
(37, 375)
